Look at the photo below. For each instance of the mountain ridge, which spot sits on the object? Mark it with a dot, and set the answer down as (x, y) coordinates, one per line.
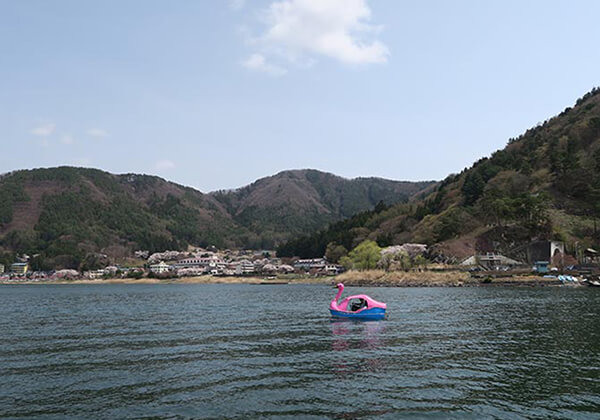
(65, 213)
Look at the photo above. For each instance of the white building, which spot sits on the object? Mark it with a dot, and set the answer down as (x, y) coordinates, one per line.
(310, 264)
(94, 274)
(159, 268)
(333, 269)
(244, 267)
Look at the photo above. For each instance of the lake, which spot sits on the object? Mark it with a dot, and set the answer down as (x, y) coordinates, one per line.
(271, 351)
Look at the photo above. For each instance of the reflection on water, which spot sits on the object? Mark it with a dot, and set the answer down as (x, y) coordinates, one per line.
(366, 335)
(210, 351)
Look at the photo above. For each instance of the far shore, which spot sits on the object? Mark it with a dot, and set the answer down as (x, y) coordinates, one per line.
(185, 280)
(445, 278)
(368, 278)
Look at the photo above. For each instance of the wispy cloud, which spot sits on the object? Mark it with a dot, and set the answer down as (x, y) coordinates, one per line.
(164, 164)
(44, 130)
(297, 31)
(257, 62)
(97, 132)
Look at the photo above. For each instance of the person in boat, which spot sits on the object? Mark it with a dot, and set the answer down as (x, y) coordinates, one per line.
(361, 303)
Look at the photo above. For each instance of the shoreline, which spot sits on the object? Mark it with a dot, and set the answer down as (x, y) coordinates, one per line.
(445, 278)
(369, 278)
(182, 280)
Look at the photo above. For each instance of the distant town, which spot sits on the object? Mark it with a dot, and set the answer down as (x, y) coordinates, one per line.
(176, 264)
(540, 258)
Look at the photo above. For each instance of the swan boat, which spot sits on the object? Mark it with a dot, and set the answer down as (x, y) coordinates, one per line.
(356, 306)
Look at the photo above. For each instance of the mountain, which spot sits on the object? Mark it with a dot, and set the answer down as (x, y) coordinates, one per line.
(544, 184)
(66, 214)
(299, 201)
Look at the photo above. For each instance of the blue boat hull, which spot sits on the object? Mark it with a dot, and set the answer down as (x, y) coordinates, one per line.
(367, 314)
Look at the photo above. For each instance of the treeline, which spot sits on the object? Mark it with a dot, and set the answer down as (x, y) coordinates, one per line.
(341, 234)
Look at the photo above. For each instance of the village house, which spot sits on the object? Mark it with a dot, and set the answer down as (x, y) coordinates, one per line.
(591, 256)
(160, 268)
(19, 268)
(333, 269)
(244, 267)
(191, 263)
(94, 274)
(310, 264)
(209, 263)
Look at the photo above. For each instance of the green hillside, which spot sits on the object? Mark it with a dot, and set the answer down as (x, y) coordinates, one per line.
(68, 216)
(65, 213)
(544, 184)
(300, 201)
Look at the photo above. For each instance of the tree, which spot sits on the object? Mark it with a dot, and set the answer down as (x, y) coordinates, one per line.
(473, 187)
(334, 252)
(420, 261)
(395, 261)
(532, 211)
(364, 257)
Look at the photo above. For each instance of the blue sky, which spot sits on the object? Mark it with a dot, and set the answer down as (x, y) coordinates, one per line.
(215, 94)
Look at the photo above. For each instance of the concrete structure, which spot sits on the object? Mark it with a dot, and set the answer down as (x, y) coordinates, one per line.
(551, 251)
(490, 261)
(1, 268)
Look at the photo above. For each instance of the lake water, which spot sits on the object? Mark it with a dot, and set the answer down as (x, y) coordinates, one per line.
(256, 351)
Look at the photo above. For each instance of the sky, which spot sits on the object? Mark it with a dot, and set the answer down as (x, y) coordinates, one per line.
(216, 94)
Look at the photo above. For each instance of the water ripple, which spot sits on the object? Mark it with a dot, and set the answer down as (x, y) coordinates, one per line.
(242, 351)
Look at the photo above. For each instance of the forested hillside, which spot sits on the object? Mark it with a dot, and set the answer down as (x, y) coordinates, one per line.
(300, 201)
(64, 214)
(544, 184)
(68, 216)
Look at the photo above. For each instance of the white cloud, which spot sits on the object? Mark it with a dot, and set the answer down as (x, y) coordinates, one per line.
(298, 30)
(257, 62)
(97, 132)
(67, 139)
(164, 164)
(44, 130)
